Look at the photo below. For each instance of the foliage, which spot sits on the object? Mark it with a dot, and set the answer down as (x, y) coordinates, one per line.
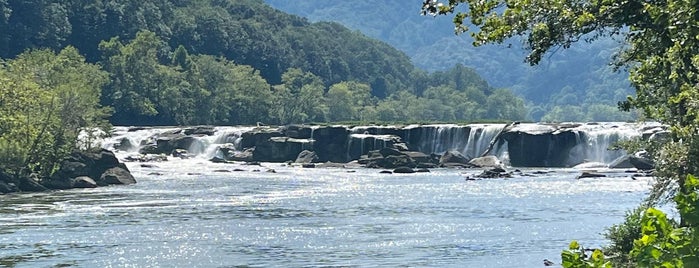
(622, 237)
(575, 257)
(46, 101)
(231, 62)
(581, 72)
(664, 244)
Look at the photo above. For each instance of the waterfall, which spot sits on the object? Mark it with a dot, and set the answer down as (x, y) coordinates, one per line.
(595, 140)
(128, 140)
(479, 138)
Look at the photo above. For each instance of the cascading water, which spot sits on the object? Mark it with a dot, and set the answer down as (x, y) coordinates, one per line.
(595, 141)
(590, 144)
(206, 145)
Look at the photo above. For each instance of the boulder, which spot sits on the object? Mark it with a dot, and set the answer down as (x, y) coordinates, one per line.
(308, 165)
(489, 161)
(116, 175)
(306, 157)
(591, 175)
(84, 182)
(124, 145)
(404, 170)
(622, 162)
(31, 184)
(452, 156)
(146, 158)
(642, 161)
(392, 161)
(200, 130)
(246, 155)
(7, 187)
(182, 154)
(494, 173)
(257, 136)
(386, 152)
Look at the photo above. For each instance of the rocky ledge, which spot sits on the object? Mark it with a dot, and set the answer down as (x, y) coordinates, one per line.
(79, 170)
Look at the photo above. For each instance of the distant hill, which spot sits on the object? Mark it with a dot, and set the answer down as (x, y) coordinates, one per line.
(242, 61)
(579, 76)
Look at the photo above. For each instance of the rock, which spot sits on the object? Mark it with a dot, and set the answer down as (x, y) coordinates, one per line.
(452, 156)
(386, 152)
(245, 156)
(486, 162)
(419, 157)
(331, 143)
(146, 158)
(308, 165)
(331, 165)
(622, 162)
(124, 145)
(280, 149)
(297, 131)
(148, 166)
(200, 130)
(401, 146)
(221, 170)
(307, 156)
(84, 182)
(257, 136)
(494, 173)
(149, 149)
(6, 188)
(30, 184)
(385, 172)
(590, 175)
(642, 161)
(404, 170)
(426, 165)
(361, 143)
(218, 159)
(392, 161)
(541, 145)
(423, 170)
(116, 175)
(182, 154)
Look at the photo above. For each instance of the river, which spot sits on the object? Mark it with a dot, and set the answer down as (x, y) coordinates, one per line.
(194, 213)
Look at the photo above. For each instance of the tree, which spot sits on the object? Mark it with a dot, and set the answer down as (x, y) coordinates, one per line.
(299, 98)
(46, 101)
(661, 51)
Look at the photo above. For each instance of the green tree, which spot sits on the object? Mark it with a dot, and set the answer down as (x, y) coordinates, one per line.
(662, 55)
(46, 101)
(300, 98)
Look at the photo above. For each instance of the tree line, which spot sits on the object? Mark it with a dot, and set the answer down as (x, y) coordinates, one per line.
(240, 62)
(576, 84)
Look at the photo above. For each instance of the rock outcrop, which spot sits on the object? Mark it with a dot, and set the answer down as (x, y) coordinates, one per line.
(78, 170)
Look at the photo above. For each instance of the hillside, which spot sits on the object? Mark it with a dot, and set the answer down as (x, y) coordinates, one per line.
(577, 80)
(240, 62)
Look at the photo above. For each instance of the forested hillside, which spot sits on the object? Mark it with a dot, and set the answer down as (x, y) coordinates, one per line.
(240, 62)
(573, 84)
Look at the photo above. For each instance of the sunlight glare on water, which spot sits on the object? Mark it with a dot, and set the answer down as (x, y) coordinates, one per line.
(192, 216)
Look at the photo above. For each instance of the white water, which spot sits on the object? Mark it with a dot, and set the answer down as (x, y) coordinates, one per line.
(471, 140)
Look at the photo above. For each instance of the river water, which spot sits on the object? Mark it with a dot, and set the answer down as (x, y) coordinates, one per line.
(193, 213)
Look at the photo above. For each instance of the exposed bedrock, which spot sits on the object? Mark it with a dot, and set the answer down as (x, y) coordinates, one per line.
(518, 145)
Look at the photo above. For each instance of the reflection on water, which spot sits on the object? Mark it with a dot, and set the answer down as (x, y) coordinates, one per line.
(311, 217)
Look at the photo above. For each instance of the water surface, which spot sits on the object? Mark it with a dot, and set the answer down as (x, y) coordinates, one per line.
(193, 214)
